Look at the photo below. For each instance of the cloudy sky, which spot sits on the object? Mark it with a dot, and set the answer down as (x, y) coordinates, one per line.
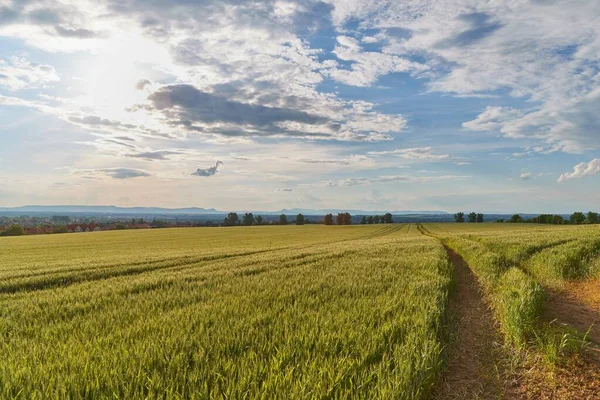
(254, 104)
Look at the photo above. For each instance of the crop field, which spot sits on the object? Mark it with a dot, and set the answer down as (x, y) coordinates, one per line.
(278, 311)
(292, 312)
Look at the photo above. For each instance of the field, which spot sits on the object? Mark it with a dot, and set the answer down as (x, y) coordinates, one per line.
(375, 311)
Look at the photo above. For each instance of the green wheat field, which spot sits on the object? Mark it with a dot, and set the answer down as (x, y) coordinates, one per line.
(263, 312)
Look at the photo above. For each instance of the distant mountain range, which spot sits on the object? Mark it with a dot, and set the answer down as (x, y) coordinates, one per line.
(67, 209)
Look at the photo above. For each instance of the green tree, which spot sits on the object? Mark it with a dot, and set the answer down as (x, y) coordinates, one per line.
(473, 217)
(259, 220)
(231, 219)
(60, 229)
(376, 219)
(515, 219)
(328, 220)
(14, 230)
(459, 217)
(388, 218)
(248, 219)
(577, 218)
(592, 218)
(363, 221)
(480, 218)
(300, 219)
(344, 219)
(370, 220)
(283, 219)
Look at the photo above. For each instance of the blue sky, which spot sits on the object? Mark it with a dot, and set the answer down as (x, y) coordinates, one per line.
(455, 105)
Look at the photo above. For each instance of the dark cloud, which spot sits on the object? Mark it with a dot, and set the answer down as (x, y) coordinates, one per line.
(8, 15)
(124, 173)
(160, 17)
(79, 33)
(119, 143)
(45, 16)
(95, 121)
(481, 27)
(186, 106)
(285, 190)
(125, 138)
(210, 171)
(58, 18)
(154, 155)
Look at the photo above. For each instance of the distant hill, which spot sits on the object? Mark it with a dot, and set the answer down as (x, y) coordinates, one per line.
(114, 210)
(110, 210)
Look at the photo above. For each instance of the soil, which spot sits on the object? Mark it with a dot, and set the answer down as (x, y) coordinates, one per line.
(473, 368)
(578, 305)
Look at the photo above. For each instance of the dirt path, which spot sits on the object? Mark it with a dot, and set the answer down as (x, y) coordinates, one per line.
(578, 305)
(473, 370)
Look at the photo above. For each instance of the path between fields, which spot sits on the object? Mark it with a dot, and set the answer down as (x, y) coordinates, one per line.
(473, 370)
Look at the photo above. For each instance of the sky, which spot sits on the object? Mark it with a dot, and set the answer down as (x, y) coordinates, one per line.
(455, 105)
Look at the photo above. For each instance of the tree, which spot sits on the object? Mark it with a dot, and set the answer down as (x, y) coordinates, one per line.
(60, 229)
(558, 220)
(515, 219)
(388, 218)
(473, 217)
(577, 218)
(363, 221)
(459, 217)
(13, 230)
(479, 218)
(259, 220)
(376, 219)
(370, 219)
(300, 219)
(592, 218)
(248, 219)
(344, 219)
(231, 219)
(283, 219)
(328, 220)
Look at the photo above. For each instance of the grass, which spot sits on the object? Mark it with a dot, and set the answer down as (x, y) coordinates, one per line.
(269, 312)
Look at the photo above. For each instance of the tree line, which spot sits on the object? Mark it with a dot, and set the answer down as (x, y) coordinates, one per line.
(473, 217)
(377, 219)
(577, 218)
(248, 219)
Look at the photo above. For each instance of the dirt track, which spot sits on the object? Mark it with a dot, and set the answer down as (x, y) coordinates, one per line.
(473, 372)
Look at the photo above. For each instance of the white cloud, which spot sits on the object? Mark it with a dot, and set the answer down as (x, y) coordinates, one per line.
(417, 153)
(391, 179)
(493, 118)
(582, 170)
(20, 73)
(525, 176)
(367, 67)
(529, 49)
